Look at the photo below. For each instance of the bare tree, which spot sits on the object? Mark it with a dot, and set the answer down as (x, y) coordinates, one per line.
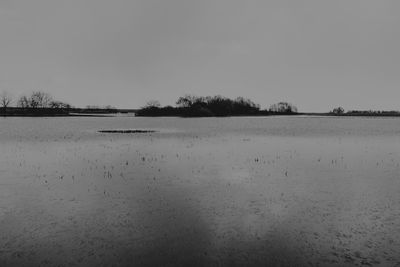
(283, 107)
(59, 105)
(40, 100)
(5, 99)
(36, 100)
(23, 102)
(187, 101)
(338, 111)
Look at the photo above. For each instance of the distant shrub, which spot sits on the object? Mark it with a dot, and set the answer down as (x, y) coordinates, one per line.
(283, 107)
(338, 111)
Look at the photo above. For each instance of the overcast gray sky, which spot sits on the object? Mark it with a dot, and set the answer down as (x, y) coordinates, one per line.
(317, 54)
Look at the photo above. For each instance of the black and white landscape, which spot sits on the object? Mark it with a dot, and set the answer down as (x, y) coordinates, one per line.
(199, 133)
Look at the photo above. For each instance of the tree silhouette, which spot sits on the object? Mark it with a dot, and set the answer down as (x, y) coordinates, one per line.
(40, 100)
(5, 100)
(187, 101)
(59, 105)
(36, 100)
(23, 102)
(338, 111)
(283, 107)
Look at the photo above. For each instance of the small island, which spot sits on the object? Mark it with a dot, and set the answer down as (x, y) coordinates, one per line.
(214, 106)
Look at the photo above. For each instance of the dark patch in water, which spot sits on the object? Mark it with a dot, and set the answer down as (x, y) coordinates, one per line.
(127, 131)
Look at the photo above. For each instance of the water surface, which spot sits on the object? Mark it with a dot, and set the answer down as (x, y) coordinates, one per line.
(275, 191)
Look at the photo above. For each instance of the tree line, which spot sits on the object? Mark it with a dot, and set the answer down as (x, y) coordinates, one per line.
(37, 103)
(339, 111)
(40, 103)
(36, 99)
(209, 106)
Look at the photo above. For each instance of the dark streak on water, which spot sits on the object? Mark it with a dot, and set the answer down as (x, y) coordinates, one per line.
(127, 131)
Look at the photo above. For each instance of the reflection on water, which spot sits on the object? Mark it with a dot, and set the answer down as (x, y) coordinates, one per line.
(214, 191)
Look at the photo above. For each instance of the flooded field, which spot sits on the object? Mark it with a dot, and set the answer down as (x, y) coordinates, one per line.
(277, 191)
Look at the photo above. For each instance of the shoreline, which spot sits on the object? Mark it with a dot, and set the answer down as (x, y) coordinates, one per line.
(133, 113)
(191, 117)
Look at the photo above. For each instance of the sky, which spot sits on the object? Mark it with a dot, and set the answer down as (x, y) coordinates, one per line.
(316, 54)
